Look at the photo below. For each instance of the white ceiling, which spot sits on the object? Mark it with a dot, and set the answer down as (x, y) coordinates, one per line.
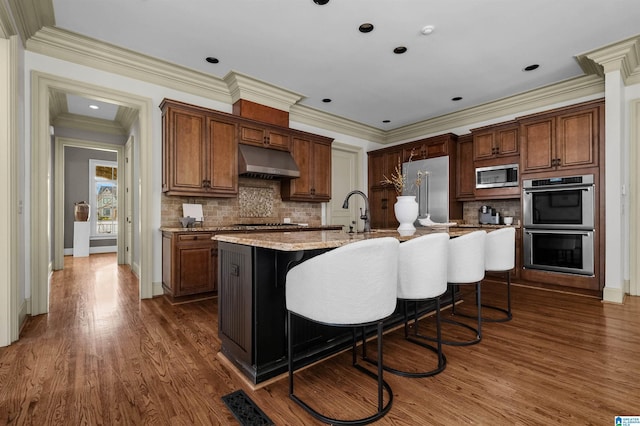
(477, 51)
(82, 106)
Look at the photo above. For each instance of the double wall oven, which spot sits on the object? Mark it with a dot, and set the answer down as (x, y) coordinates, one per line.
(559, 224)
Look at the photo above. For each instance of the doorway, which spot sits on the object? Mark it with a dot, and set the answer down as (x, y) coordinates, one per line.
(60, 210)
(346, 169)
(40, 175)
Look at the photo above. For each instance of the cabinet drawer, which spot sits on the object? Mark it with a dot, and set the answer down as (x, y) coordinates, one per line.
(199, 236)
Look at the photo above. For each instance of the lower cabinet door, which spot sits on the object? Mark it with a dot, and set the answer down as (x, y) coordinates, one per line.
(196, 271)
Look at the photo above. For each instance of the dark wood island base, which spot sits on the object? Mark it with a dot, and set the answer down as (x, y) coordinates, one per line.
(251, 303)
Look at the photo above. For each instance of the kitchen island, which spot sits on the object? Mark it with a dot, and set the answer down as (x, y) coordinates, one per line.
(251, 298)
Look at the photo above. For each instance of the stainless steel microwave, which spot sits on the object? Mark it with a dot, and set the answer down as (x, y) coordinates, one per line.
(497, 176)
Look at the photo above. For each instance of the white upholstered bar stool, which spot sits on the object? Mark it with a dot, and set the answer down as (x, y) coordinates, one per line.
(500, 255)
(422, 276)
(351, 286)
(465, 266)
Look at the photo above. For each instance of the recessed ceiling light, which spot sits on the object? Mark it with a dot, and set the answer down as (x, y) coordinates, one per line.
(212, 60)
(427, 30)
(321, 2)
(326, 100)
(531, 67)
(365, 28)
(386, 121)
(399, 50)
(94, 106)
(456, 98)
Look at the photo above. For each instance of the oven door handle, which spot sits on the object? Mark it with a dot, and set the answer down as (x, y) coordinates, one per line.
(558, 231)
(565, 188)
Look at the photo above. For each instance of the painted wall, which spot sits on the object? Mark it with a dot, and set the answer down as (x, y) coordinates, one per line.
(76, 188)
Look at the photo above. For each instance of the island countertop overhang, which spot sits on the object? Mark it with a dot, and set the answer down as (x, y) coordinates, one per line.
(312, 240)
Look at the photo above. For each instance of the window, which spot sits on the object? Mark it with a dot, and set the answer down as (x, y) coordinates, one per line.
(104, 198)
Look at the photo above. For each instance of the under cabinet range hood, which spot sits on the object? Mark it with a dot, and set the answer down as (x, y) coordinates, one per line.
(266, 163)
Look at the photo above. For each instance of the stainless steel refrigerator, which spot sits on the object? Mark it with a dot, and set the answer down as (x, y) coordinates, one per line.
(433, 193)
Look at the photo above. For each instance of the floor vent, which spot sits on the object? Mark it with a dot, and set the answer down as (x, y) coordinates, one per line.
(245, 410)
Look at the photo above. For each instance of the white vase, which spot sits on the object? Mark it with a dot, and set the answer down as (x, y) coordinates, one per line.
(406, 210)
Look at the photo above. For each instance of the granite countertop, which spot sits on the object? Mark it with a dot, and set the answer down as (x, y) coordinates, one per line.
(310, 240)
(248, 228)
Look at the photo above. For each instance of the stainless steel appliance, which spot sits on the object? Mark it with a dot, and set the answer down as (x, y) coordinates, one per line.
(497, 176)
(559, 224)
(433, 193)
(557, 250)
(559, 203)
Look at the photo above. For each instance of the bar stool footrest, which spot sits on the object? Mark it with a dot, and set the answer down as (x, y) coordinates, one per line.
(442, 363)
(363, 421)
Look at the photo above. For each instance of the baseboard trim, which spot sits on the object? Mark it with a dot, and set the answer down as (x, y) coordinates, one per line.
(94, 250)
(157, 289)
(613, 295)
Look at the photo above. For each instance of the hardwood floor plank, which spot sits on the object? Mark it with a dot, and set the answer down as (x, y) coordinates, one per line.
(101, 356)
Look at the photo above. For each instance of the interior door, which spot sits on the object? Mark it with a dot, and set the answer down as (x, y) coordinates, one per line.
(128, 187)
(345, 177)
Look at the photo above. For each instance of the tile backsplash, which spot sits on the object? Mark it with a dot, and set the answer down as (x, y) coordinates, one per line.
(258, 201)
(510, 207)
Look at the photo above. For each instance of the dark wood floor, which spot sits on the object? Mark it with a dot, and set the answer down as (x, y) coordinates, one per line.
(101, 356)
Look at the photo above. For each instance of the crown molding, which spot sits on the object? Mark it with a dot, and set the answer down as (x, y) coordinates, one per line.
(7, 29)
(545, 96)
(31, 16)
(82, 122)
(313, 117)
(72, 47)
(78, 49)
(241, 86)
(126, 117)
(57, 104)
(623, 56)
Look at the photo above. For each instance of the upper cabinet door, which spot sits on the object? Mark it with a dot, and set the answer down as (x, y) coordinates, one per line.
(483, 146)
(538, 145)
(495, 141)
(313, 157)
(223, 157)
(321, 171)
(577, 137)
(186, 149)
(568, 139)
(200, 151)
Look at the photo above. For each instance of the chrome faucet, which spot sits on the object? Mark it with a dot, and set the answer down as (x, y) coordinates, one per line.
(364, 216)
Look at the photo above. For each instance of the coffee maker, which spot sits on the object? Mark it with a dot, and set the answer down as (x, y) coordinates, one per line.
(488, 215)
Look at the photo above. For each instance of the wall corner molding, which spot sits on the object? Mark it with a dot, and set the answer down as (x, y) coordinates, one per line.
(623, 55)
(31, 16)
(7, 29)
(242, 86)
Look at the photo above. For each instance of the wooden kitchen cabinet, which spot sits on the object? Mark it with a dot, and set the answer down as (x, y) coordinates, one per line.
(313, 157)
(495, 141)
(563, 139)
(465, 179)
(189, 265)
(436, 146)
(383, 162)
(264, 136)
(200, 154)
(381, 201)
(382, 196)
